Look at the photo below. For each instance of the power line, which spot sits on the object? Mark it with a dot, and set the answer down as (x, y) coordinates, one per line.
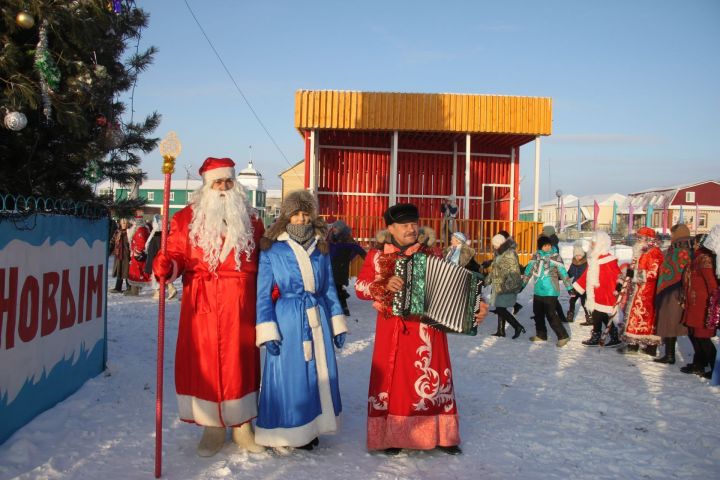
(257, 117)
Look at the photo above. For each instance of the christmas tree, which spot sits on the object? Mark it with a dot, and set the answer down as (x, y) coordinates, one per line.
(63, 67)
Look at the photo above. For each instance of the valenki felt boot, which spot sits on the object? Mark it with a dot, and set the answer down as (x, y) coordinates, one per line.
(244, 437)
(211, 442)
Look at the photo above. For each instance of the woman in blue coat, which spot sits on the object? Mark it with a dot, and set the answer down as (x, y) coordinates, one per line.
(299, 320)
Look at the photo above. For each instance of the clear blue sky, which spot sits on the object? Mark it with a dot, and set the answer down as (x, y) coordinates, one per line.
(634, 83)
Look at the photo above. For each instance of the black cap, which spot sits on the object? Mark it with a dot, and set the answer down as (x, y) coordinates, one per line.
(401, 213)
(542, 241)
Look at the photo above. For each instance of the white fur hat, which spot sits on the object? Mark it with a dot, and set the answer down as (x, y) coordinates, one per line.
(497, 241)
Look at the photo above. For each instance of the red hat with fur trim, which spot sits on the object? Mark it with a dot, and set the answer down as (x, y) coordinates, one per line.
(646, 232)
(215, 168)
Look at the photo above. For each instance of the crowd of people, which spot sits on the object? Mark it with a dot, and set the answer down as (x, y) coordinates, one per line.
(284, 290)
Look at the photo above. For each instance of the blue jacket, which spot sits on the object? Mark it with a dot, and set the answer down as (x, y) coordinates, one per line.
(300, 395)
(546, 269)
(577, 269)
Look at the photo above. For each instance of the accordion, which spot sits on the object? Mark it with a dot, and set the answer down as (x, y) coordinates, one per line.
(445, 296)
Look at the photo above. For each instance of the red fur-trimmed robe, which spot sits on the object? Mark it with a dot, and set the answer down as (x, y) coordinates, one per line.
(411, 400)
(217, 365)
(137, 277)
(640, 314)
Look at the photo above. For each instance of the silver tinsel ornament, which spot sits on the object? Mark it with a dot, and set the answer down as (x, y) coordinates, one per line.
(15, 121)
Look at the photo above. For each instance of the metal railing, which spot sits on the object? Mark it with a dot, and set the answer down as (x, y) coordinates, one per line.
(478, 232)
(21, 205)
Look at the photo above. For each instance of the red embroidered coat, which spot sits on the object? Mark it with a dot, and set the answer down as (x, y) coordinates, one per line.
(640, 313)
(699, 283)
(411, 400)
(217, 365)
(137, 276)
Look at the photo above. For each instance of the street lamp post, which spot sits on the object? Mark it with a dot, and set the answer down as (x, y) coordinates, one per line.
(558, 194)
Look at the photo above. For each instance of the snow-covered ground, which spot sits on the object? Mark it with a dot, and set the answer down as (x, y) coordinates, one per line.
(527, 411)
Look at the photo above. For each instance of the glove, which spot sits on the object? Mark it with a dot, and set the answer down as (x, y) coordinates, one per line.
(272, 347)
(618, 288)
(339, 340)
(630, 273)
(162, 265)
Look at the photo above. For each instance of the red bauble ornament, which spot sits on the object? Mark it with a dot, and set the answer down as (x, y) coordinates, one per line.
(101, 121)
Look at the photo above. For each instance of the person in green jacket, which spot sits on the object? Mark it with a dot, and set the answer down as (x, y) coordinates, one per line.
(546, 269)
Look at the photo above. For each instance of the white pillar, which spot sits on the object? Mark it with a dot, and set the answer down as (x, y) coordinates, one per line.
(393, 169)
(454, 174)
(537, 179)
(313, 162)
(512, 190)
(467, 176)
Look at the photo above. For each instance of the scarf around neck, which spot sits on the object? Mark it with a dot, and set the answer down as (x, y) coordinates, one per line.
(302, 234)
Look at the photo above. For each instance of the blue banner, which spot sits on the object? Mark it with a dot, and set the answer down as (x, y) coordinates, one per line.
(53, 275)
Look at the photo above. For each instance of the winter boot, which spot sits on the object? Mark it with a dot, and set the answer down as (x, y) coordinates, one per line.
(628, 349)
(244, 437)
(516, 308)
(133, 291)
(613, 340)
(571, 314)
(212, 441)
(156, 294)
(172, 291)
(588, 320)
(516, 326)
(593, 341)
(451, 450)
(535, 338)
(500, 328)
(562, 342)
(669, 356)
(650, 350)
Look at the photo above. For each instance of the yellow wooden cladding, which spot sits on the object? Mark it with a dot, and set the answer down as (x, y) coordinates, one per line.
(422, 112)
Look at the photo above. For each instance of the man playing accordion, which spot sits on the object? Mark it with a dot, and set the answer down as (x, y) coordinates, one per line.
(411, 400)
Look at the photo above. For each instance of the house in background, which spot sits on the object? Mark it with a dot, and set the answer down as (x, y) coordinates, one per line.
(292, 178)
(695, 204)
(566, 207)
(181, 191)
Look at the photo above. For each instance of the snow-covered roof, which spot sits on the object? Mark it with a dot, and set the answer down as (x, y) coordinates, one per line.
(673, 188)
(249, 171)
(585, 200)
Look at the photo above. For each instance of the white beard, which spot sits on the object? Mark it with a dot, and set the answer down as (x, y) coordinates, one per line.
(221, 217)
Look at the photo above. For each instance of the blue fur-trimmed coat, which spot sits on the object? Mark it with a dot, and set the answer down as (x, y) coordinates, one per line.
(299, 395)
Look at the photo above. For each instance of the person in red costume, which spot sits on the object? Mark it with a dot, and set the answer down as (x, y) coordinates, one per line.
(411, 400)
(602, 283)
(137, 277)
(640, 308)
(213, 245)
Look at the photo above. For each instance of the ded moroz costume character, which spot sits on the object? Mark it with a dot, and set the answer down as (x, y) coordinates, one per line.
(212, 243)
(137, 276)
(640, 307)
(299, 319)
(411, 399)
(602, 282)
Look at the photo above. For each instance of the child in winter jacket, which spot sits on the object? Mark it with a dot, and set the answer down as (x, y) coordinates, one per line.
(577, 267)
(547, 270)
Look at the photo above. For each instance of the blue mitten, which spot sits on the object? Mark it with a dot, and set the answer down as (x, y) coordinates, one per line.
(272, 347)
(339, 340)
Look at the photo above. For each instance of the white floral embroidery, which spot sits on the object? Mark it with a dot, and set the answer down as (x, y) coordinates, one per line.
(379, 403)
(428, 385)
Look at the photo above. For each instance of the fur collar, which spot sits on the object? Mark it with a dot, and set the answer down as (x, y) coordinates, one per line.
(507, 244)
(466, 254)
(278, 228)
(426, 238)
